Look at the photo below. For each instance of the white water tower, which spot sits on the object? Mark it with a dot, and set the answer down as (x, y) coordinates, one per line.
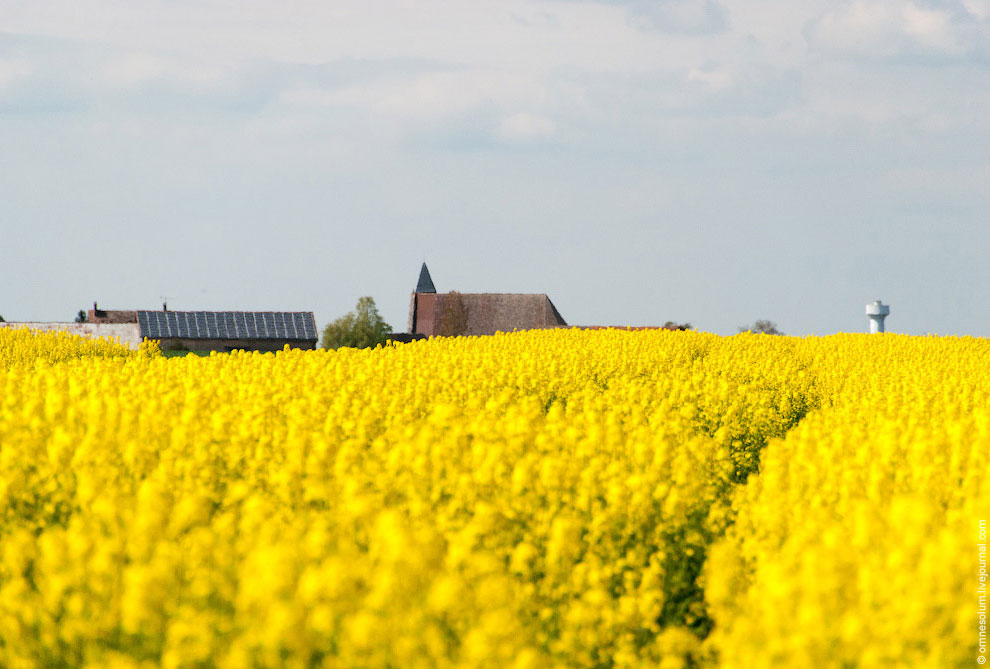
(877, 312)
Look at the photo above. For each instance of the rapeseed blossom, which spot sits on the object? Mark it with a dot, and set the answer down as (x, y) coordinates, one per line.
(857, 543)
(540, 499)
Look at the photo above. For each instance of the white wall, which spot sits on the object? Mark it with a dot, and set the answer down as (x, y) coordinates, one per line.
(127, 333)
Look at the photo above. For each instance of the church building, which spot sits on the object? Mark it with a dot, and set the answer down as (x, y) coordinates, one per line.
(453, 313)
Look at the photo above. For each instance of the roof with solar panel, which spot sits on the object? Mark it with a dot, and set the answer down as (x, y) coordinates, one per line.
(289, 325)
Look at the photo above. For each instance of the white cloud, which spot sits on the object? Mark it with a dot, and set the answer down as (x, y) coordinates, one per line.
(713, 79)
(978, 9)
(139, 68)
(523, 127)
(699, 17)
(482, 33)
(135, 69)
(690, 17)
(427, 96)
(930, 27)
(887, 28)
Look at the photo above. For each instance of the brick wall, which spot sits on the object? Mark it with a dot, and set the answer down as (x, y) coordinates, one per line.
(426, 310)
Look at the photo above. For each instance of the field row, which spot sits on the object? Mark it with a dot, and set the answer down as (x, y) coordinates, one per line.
(542, 499)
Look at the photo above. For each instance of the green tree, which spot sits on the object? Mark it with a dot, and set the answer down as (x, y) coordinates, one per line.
(362, 328)
(81, 316)
(762, 327)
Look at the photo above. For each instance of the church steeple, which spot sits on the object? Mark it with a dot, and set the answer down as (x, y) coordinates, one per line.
(425, 283)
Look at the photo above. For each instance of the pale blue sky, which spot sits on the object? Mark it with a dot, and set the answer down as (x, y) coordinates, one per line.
(693, 160)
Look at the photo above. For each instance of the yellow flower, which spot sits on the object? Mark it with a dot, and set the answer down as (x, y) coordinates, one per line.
(558, 498)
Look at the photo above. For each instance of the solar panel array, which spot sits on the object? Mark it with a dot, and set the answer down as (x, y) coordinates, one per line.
(227, 324)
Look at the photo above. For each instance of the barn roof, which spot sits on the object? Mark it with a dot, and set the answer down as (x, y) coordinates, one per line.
(484, 313)
(488, 313)
(299, 325)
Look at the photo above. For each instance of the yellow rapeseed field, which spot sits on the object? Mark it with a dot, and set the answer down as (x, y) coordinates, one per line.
(553, 498)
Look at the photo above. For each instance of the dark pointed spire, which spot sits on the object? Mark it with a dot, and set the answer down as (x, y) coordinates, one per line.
(425, 283)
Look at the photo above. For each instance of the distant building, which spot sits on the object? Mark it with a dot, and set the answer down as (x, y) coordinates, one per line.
(218, 330)
(97, 315)
(127, 334)
(229, 330)
(432, 313)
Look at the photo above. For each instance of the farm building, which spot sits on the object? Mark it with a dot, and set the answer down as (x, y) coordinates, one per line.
(127, 334)
(453, 313)
(218, 330)
(97, 315)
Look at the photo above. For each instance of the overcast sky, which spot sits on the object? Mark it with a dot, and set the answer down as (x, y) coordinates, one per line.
(710, 161)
